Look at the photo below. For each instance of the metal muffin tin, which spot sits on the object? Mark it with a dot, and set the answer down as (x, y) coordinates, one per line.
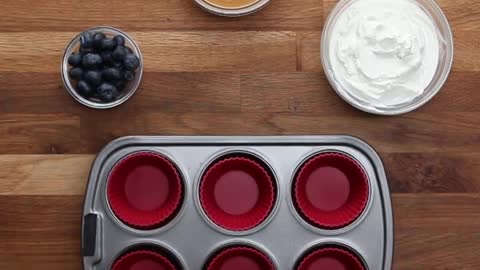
(192, 237)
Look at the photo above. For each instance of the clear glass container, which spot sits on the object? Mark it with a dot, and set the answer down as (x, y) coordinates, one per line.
(130, 88)
(446, 47)
(232, 12)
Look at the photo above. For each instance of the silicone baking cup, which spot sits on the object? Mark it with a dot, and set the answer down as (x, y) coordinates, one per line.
(143, 260)
(145, 190)
(330, 190)
(240, 258)
(237, 193)
(331, 258)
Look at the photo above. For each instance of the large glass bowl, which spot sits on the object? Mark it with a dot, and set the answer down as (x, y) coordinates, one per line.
(444, 65)
(129, 90)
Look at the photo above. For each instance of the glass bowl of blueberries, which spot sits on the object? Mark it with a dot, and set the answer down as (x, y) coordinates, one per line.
(102, 67)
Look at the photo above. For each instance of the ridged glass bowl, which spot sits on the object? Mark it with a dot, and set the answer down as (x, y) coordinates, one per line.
(96, 103)
(446, 47)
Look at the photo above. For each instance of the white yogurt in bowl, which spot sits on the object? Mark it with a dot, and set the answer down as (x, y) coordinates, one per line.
(387, 56)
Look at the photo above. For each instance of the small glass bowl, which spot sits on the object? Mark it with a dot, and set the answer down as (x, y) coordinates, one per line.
(129, 90)
(446, 47)
(232, 12)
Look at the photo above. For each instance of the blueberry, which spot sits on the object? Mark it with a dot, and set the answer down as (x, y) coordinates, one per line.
(93, 78)
(118, 65)
(119, 53)
(129, 75)
(108, 44)
(84, 89)
(129, 50)
(98, 38)
(107, 58)
(107, 92)
(120, 85)
(131, 62)
(120, 40)
(76, 73)
(75, 59)
(91, 60)
(86, 40)
(111, 74)
(84, 51)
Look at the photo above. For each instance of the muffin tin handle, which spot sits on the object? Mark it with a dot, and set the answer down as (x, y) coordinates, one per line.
(91, 242)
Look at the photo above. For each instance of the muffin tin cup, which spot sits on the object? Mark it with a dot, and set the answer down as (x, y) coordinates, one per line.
(330, 190)
(239, 257)
(128, 92)
(195, 238)
(148, 250)
(232, 12)
(331, 257)
(143, 260)
(237, 193)
(260, 163)
(145, 190)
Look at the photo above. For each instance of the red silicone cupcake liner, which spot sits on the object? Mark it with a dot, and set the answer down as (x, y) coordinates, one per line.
(331, 190)
(143, 260)
(237, 193)
(331, 258)
(240, 258)
(145, 190)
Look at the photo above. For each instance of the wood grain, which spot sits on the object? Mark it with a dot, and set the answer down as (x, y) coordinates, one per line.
(27, 175)
(148, 15)
(207, 75)
(178, 51)
(405, 135)
(220, 51)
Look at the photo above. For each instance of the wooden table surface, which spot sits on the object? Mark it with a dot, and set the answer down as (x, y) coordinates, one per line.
(206, 75)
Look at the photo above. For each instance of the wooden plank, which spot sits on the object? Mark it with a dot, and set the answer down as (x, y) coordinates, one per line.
(159, 91)
(308, 51)
(436, 231)
(304, 92)
(152, 15)
(40, 231)
(221, 92)
(44, 174)
(45, 133)
(411, 133)
(204, 51)
(299, 92)
(180, 15)
(462, 15)
(466, 46)
(417, 132)
(247, 51)
(433, 231)
(406, 172)
(433, 172)
(219, 51)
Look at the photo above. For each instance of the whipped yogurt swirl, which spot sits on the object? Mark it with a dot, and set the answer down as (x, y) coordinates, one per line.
(384, 52)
